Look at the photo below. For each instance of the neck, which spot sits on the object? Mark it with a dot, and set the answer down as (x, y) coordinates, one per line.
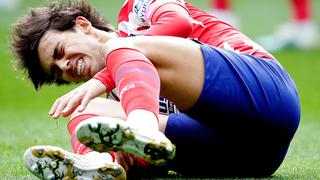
(104, 36)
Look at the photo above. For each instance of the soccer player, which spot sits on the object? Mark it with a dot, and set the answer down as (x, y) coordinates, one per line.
(238, 111)
(300, 32)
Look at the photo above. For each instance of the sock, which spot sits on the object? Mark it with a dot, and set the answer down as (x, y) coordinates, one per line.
(301, 10)
(220, 4)
(137, 80)
(77, 147)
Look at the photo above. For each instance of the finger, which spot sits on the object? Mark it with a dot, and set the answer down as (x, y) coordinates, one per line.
(54, 106)
(85, 101)
(62, 104)
(70, 111)
(98, 89)
(72, 105)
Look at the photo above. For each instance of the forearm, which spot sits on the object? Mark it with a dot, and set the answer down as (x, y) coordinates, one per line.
(105, 77)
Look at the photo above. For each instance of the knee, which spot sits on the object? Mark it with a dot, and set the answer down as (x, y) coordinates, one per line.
(102, 107)
(90, 109)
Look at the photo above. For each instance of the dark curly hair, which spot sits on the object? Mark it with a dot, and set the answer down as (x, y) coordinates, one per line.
(59, 15)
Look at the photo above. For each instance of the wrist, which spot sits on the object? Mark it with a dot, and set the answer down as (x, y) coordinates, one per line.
(105, 78)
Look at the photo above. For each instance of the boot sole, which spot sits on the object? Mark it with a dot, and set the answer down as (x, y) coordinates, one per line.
(106, 134)
(48, 162)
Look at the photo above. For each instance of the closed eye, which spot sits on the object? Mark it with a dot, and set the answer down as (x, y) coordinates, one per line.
(58, 51)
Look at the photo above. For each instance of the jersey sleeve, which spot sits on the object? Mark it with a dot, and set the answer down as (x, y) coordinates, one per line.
(162, 17)
(168, 19)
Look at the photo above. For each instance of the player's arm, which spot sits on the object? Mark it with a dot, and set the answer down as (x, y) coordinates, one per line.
(127, 69)
(80, 96)
(170, 19)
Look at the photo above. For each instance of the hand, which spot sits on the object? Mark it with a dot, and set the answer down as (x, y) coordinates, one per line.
(77, 98)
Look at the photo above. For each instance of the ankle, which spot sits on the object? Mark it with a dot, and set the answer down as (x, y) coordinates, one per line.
(143, 119)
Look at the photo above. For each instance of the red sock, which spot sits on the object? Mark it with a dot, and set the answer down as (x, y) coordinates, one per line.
(301, 10)
(77, 147)
(220, 4)
(135, 77)
(137, 80)
(135, 161)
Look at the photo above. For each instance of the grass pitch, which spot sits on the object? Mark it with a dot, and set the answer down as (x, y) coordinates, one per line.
(24, 119)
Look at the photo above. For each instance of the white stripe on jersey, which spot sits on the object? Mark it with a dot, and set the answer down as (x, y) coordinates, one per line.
(139, 15)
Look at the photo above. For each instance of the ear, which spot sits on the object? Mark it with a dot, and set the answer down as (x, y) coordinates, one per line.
(83, 24)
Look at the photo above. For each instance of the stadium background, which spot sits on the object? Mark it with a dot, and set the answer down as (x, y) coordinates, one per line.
(24, 119)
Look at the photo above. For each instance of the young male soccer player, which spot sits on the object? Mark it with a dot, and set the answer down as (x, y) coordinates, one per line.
(239, 109)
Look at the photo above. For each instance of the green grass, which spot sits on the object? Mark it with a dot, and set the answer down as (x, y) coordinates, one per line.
(24, 119)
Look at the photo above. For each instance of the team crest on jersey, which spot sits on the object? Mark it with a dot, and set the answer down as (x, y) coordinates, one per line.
(140, 8)
(136, 21)
(133, 26)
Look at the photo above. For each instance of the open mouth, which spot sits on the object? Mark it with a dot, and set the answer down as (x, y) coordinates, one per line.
(80, 67)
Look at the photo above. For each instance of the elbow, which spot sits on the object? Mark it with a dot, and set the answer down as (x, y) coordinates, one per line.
(177, 25)
(184, 26)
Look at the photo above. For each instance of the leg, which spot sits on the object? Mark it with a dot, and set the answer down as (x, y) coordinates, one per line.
(48, 162)
(99, 107)
(300, 32)
(223, 10)
(105, 130)
(104, 134)
(111, 108)
(221, 4)
(253, 108)
(301, 10)
(195, 142)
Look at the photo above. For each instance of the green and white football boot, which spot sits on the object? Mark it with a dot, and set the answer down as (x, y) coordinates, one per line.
(49, 162)
(105, 134)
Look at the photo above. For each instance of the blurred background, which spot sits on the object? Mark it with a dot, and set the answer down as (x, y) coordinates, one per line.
(24, 119)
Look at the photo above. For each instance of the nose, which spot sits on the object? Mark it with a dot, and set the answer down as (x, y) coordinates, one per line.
(64, 64)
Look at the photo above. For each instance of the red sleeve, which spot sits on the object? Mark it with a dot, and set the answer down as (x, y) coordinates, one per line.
(170, 19)
(106, 79)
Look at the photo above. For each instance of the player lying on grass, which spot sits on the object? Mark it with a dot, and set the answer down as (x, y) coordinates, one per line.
(238, 111)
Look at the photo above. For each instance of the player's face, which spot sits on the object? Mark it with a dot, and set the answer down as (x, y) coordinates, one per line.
(70, 55)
